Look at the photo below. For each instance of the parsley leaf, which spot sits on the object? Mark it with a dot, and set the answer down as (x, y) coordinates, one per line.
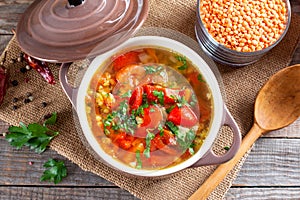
(127, 94)
(51, 120)
(56, 172)
(185, 140)
(183, 61)
(35, 136)
(152, 69)
(149, 137)
(200, 78)
(138, 160)
(161, 130)
(160, 95)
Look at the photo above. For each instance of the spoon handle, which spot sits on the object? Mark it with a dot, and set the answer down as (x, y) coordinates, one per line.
(220, 173)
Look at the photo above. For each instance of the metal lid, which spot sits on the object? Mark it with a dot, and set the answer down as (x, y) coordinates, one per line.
(65, 31)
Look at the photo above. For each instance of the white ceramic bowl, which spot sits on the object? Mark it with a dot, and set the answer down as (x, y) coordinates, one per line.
(221, 116)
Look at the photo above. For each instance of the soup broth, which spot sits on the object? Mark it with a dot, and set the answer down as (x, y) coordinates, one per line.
(149, 108)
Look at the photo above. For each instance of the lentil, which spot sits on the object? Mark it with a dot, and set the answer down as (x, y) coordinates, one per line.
(12, 61)
(30, 98)
(28, 67)
(28, 94)
(248, 25)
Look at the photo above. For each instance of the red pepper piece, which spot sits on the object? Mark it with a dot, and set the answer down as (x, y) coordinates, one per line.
(3, 83)
(149, 91)
(183, 116)
(125, 59)
(136, 98)
(169, 94)
(41, 67)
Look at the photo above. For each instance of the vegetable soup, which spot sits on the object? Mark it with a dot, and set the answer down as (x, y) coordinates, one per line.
(149, 108)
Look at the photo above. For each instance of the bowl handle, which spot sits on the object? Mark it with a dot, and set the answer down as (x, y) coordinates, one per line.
(69, 90)
(210, 157)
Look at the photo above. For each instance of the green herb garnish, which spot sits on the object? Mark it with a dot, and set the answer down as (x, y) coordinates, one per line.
(138, 160)
(227, 148)
(56, 172)
(185, 140)
(152, 69)
(168, 110)
(149, 137)
(140, 110)
(35, 136)
(183, 61)
(160, 95)
(199, 77)
(161, 130)
(127, 94)
(120, 116)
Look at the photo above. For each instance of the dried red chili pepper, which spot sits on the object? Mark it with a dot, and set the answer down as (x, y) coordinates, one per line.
(41, 67)
(3, 83)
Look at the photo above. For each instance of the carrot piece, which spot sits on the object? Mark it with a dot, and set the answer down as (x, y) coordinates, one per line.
(152, 53)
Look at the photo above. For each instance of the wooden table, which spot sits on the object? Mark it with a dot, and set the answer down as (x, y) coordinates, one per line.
(272, 170)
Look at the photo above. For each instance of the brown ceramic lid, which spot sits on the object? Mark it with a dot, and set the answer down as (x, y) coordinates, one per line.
(54, 31)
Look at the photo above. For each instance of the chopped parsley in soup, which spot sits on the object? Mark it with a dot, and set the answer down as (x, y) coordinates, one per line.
(150, 108)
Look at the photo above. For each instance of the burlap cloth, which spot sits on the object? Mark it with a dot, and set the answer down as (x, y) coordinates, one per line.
(241, 86)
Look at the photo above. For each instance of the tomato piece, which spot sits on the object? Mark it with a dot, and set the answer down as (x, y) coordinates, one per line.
(168, 137)
(183, 116)
(125, 59)
(170, 94)
(116, 137)
(136, 98)
(157, 142)
(124, 144)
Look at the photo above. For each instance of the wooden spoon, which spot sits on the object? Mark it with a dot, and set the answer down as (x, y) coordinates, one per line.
(277, 105)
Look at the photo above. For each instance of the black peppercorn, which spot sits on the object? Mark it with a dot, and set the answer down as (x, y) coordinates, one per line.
(15, 107)
(15, 100)
(47, 116)
(23, 70)
(26, 100)
(15, 83)
(44, 104)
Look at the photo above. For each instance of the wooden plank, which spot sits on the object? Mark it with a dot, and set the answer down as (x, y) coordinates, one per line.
(10, 12)
(272, 162)
(50, 193)
(263, 193)
(292, 131)
(4, 39)
(15, 168)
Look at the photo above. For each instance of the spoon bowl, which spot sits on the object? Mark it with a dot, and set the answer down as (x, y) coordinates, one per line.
(278, 102)
(277, 105)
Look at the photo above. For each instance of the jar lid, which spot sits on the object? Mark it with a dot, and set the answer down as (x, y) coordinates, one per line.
(59, 31)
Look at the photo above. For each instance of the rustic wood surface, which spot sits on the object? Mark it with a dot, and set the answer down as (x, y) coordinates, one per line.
(271, 171)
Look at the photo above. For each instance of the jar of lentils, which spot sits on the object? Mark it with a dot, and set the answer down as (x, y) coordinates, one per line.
(240, 32)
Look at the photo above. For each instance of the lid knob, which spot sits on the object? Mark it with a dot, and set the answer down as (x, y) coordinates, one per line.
(75, 2)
